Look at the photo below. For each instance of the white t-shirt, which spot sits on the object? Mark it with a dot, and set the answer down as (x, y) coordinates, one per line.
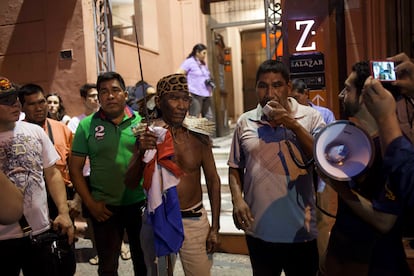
(65, 119)
(74, 122)
(24, 152)
(73, 125)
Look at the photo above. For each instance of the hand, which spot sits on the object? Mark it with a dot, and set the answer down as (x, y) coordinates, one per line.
(213, 240)
(379, 101)
(341, 187)
(64, 224)
(147, 141)
(278, 115)
(242, 216)
(99, 211)
(74, 208)
(405, 73)
(329, 181)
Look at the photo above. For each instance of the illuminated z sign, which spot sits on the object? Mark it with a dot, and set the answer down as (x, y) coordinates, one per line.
(306, 32)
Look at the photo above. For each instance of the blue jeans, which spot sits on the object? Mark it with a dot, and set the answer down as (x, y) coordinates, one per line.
(109, 235)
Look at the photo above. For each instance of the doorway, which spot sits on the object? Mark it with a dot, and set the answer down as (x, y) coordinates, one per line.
(253, 54)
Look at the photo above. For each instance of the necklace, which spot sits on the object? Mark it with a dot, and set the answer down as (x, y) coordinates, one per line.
(179, 139)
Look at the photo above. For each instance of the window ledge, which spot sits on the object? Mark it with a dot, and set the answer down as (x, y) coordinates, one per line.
(134, 44)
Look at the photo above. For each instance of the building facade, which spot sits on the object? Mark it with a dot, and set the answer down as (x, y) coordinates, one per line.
(54, 43)
(57, 43)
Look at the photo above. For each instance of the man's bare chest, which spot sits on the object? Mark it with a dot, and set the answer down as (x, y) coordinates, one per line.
(188, 155)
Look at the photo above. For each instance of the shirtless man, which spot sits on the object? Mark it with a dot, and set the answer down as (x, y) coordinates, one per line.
(192, 151)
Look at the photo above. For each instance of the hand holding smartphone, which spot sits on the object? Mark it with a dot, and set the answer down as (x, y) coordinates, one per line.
(383, 70)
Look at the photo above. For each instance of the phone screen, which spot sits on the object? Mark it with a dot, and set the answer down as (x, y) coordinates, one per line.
(383, 70)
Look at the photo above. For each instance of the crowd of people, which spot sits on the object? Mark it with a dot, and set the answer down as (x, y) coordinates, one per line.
(132, 169)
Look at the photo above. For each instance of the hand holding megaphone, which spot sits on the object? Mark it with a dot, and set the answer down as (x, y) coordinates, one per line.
(339, 186)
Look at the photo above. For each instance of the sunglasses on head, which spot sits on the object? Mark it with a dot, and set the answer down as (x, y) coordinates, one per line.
(9, 100)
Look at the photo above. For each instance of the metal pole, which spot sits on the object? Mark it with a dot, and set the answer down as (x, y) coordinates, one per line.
(266, 10)
(142, 77)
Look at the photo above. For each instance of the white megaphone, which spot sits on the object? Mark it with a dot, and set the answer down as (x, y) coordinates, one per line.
(343, 151)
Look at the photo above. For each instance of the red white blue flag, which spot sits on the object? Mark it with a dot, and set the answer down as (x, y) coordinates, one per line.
(161, 176)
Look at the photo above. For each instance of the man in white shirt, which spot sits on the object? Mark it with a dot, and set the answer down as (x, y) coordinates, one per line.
(28, 158)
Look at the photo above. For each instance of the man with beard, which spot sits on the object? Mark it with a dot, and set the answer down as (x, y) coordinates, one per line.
(366, 238)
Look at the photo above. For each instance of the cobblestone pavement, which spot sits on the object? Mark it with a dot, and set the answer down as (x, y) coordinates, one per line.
(223, 264)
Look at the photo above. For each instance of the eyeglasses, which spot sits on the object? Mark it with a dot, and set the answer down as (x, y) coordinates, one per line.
(8, 100)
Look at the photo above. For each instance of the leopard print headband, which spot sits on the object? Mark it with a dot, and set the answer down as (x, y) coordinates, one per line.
(172, 83)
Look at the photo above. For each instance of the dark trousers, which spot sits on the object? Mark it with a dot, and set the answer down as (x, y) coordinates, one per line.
(109, 235)
(20, 254)
(202, 105)
(295, 259)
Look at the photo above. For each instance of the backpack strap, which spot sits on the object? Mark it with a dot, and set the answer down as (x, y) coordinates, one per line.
(24, 225)
(49, 132)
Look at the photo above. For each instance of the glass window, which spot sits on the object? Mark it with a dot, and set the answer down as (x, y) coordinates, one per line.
(145, 14)
(122, 16)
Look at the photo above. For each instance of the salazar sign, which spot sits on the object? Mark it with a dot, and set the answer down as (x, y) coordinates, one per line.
(309, 67)
(307, 63)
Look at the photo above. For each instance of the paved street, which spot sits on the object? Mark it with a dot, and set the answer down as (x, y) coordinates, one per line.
(223, 264)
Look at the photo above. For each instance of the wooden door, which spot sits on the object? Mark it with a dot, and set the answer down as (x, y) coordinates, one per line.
(253, 54)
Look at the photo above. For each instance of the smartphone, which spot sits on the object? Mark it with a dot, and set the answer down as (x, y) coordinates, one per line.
(383, 70)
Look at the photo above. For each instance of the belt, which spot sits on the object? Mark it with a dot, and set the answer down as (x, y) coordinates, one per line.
(193, 213)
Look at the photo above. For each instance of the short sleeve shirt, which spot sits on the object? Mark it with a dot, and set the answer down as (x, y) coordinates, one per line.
(62, 140)
(110, 148)
(326, 113)
(197, 74)
(24, 152)
(74, 122)
(279, 193)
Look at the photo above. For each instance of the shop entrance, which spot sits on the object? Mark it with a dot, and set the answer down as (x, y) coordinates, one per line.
(253, 54)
